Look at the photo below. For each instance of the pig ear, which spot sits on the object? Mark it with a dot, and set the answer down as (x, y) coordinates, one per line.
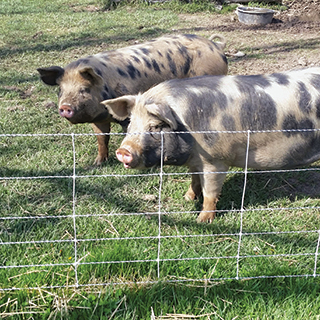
(164, 113)
(51, 75)
(120, 108)
(91, 75)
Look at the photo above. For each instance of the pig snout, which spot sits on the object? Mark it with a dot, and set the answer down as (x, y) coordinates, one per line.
(124, 156)
(66, 111)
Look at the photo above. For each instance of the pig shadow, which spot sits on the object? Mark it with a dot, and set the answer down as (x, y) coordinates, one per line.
(263, 189)
(20, 191)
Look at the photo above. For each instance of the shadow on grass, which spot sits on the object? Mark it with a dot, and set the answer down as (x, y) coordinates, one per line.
(55, 178)
(262, 189)
(17, 79)
(291, 298)
(125, 250)
(81, 40)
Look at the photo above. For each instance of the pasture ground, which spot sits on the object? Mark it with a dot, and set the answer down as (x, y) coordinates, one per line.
(37, 229)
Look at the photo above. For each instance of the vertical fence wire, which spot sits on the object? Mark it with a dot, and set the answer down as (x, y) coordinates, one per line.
(316, 256)
(242, 203)
(159, 204)
(75, 264)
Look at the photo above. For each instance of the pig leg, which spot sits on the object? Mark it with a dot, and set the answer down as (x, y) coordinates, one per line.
(103, 141)
(211, 188)
(194, 190)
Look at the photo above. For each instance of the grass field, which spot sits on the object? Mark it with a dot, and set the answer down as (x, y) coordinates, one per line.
(68, 242)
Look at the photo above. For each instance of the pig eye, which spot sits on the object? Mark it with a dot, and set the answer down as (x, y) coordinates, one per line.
(84, 90)
(156, 128)
(154, 131)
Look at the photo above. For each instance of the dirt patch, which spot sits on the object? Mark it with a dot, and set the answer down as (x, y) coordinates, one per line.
(89, 8)
(23, 94)
(291, 41)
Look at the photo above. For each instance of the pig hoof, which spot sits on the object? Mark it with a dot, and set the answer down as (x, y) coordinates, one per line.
(99, 160)
(206, 217)
(190, 196)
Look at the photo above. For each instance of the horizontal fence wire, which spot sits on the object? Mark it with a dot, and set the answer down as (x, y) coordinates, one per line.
(76, 239)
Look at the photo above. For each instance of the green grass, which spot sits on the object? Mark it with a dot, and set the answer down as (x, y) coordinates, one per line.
(275, 5)
(37, 226)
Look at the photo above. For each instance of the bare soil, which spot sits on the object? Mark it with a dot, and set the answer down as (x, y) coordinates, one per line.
(291, 41)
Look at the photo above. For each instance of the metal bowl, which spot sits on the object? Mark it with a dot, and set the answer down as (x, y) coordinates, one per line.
(251, 15)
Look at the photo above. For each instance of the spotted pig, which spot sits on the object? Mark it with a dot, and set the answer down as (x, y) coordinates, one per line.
(234, 107)
(86, 82)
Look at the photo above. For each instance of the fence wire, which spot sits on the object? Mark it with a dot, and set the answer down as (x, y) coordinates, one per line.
(76, 240)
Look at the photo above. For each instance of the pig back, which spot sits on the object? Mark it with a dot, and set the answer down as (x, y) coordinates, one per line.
(280, 111)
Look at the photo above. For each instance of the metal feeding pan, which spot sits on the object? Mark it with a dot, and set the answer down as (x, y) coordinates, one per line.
(251, 15)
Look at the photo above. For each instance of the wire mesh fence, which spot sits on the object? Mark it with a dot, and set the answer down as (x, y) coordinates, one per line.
(67, 228)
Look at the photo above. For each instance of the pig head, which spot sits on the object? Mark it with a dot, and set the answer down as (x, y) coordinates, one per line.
(204, 123)
(86, 82)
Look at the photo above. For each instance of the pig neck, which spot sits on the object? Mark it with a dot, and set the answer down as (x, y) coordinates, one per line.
(102, 117)
(178, 151)
(124, 123)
